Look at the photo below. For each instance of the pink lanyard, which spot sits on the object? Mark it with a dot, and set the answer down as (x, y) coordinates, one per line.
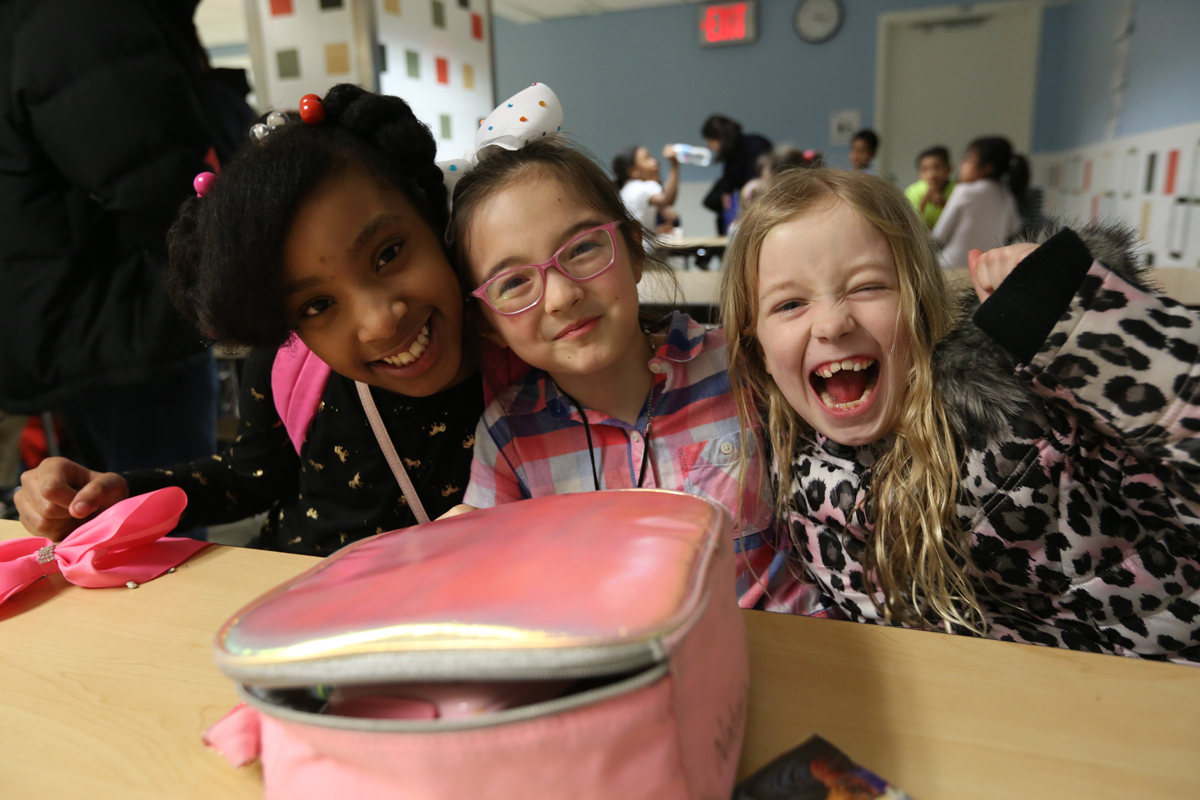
(389, 452)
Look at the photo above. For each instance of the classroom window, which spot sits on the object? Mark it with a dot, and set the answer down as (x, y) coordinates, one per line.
(392, 7)
(439, 14)
(326, 4)
(337, 58)
(468, 76)
(444, 119)
(476, 26)
(414, 63)
(288, 63)
(281, 7)
(443, 71)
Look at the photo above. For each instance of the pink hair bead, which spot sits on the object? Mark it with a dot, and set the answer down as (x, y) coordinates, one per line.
(202, 183)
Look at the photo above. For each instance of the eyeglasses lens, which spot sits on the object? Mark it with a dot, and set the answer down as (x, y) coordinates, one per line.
(583, 257)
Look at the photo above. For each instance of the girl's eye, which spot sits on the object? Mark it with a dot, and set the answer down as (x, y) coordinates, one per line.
(512, 284)
(316, 307)
(789, 305)
(580, 249)
(388, 254)
(869, 289)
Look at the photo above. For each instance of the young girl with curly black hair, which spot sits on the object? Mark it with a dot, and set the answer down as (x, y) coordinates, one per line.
(1022, 466)
(332, 231)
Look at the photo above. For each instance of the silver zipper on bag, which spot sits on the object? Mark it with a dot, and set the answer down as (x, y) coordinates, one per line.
(473, 665)
(491, 720)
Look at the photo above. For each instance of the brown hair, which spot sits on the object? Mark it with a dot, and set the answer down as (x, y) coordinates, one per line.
(917, 556)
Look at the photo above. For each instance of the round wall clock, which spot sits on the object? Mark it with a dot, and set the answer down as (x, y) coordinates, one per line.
(818, 21)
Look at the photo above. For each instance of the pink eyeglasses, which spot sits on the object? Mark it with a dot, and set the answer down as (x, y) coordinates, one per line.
(581, 259)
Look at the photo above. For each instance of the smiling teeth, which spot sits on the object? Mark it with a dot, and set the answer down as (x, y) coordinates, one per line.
(411, 354)
(836, 366)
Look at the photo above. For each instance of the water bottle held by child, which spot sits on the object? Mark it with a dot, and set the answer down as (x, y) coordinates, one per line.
(693, 154)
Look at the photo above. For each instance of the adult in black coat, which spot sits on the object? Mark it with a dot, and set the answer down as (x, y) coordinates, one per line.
(107, 112)
(739, 152)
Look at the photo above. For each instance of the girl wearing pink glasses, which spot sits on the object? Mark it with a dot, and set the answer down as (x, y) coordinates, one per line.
(551, 260)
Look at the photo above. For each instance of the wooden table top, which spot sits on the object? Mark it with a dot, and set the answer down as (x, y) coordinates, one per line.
(106, 692)
(692, 243)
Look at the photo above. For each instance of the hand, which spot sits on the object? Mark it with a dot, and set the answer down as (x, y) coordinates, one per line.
(988, 270)
(58, 495)
(461, 508)
(669, 154)
(935, 196)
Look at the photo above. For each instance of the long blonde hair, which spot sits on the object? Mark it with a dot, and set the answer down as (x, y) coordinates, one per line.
(918, 555)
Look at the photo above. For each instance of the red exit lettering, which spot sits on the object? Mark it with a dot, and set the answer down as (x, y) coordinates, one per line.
(724, 23)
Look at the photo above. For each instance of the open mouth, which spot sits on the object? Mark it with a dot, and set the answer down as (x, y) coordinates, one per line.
(415, 350)
(847, 384)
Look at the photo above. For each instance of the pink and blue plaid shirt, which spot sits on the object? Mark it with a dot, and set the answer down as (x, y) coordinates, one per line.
(531, 443)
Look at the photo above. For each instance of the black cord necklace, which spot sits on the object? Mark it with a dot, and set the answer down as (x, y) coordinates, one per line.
(587, 431)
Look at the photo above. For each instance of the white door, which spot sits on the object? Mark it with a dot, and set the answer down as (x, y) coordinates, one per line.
(948, 75)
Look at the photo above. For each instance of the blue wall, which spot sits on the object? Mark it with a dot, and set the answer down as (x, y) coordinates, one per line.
(1078, 59)
(639, 76)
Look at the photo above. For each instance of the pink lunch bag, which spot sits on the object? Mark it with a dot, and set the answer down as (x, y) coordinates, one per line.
(580, 646)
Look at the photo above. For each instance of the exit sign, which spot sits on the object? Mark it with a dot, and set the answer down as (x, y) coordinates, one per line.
(729, 23)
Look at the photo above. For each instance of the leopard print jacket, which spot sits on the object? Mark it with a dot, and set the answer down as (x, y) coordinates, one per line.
(1080, 481)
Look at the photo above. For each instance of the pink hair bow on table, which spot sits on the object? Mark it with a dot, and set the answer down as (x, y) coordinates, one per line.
(529, 114)
(122, 544)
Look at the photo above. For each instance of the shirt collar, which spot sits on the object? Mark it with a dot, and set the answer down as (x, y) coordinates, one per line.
(685, 338)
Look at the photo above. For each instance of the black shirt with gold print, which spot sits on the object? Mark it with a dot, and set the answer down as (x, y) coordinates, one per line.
(338, 489)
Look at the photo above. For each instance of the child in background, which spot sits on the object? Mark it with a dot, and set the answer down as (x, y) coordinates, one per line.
(608, 405)
(332, 231)
(930, 192)
(982, 210)
(863, 148)
(993, 466)
(778, 161)
(637, 178)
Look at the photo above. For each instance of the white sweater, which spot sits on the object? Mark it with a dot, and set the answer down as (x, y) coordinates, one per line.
(980, 214)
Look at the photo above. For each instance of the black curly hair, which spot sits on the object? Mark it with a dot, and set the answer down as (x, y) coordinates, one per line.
(225, 267)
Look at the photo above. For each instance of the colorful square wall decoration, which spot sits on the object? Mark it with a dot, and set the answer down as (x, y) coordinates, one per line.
(281, 7)
(337, 58)
(439, 14)
(444, 119)
(288, 63)
(392, 6)
(327, 4)
(476, 27)
(414, 63)
(468, 76)
(443, 71)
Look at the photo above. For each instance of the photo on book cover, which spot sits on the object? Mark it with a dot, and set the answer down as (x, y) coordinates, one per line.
(816, 770)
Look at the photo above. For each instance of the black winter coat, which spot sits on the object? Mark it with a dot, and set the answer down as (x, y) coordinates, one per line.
(102, 129)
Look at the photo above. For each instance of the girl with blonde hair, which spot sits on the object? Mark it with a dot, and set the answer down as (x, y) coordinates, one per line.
(986, 466)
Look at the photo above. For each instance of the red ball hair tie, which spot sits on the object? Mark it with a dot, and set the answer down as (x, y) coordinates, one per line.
(311, 110)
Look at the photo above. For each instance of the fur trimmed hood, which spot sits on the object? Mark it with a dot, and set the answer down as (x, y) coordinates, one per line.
(976, 376)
